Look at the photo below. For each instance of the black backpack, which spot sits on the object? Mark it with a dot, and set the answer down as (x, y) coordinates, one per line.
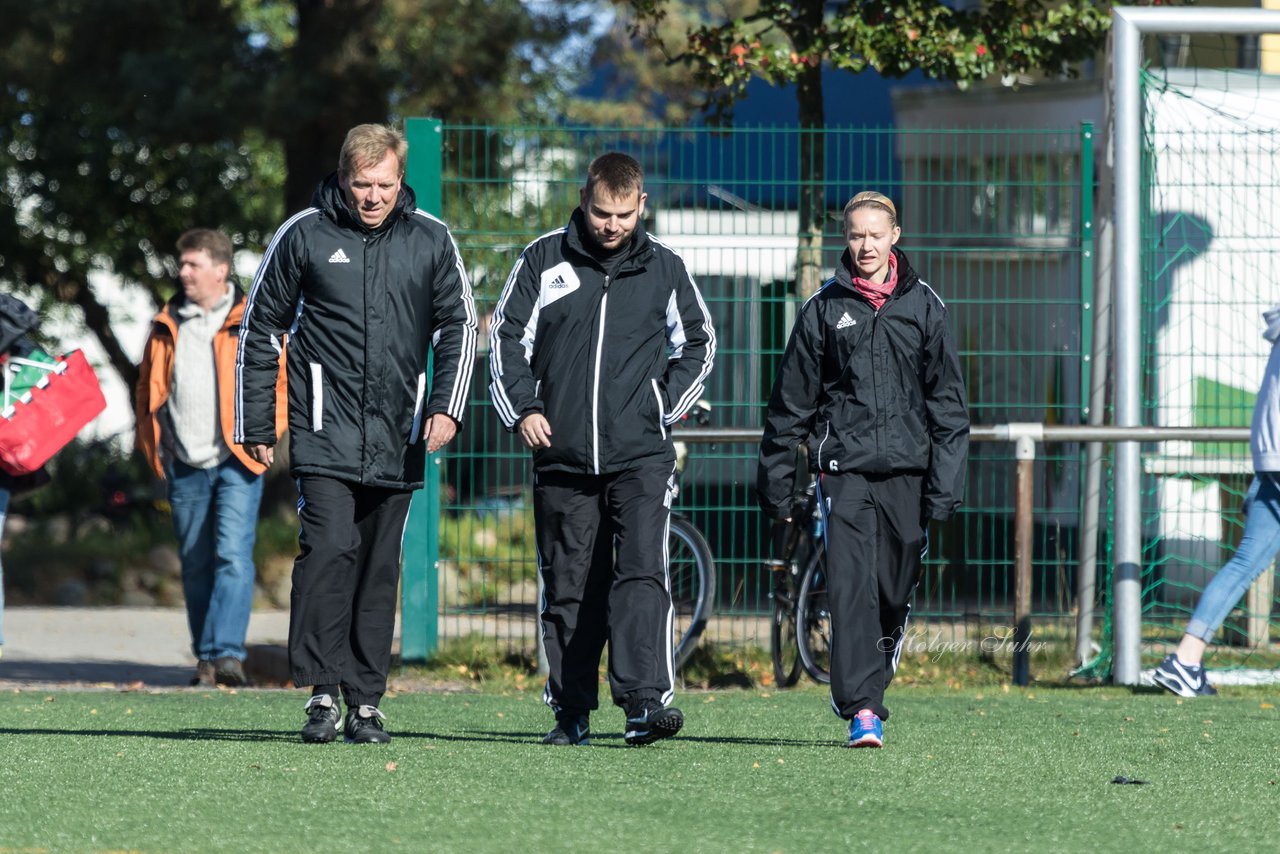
(16, 320)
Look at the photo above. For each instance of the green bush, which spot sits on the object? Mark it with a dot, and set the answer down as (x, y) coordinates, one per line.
(51, 563)
(100, 533)
(96, 477)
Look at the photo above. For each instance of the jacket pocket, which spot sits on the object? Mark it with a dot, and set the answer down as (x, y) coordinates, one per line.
(317, 397)
(415, 430)
(828, 450)
(662, 415)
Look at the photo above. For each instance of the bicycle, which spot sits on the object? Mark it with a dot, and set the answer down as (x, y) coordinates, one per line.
(800, 627)
(691, 567)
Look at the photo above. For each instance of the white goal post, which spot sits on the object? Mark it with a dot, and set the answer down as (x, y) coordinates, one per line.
(1129, 25)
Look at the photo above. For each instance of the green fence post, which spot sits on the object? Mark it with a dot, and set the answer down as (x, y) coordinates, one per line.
(1086, 260)
(419, 615)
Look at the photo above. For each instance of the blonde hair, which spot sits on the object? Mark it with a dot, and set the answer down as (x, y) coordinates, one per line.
(367, 145)
(870, 199)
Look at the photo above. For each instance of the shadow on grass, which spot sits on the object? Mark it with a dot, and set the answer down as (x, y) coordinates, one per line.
(614, 740)
(1081, 686)
(95, 672)
(193, 734)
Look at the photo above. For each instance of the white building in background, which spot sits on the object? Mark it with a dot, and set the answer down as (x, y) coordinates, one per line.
(734, 256)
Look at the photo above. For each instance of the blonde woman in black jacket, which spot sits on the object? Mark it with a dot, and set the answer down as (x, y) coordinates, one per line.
(871, 381)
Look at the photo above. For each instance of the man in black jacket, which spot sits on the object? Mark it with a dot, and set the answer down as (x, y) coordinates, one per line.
(601, 342)
(365, 285)
(871, 380)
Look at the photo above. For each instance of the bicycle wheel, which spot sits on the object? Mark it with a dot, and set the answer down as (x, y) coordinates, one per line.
(692, 571)
(813, 619)
(783, 644)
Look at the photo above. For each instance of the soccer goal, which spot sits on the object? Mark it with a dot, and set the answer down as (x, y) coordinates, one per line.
(1197, 259)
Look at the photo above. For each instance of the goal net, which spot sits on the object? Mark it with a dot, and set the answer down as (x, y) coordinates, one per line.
(1210, 266)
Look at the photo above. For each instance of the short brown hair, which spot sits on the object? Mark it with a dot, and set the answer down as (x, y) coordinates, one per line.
(211, 240)
(619, 174)
(870, 199)
(367, 145)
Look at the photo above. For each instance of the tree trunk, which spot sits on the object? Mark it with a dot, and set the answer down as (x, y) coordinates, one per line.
(809, 272)
(333, 82)
(76, 290)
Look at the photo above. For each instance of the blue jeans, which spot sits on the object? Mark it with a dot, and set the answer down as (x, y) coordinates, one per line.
(215, 515)
(1257, 550)
(4, 508)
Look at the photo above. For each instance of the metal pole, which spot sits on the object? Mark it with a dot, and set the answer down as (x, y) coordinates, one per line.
(1099, 372)
(1023, 545)
(1225, 20)
(1128, 25)
(1009, 433)
(1127, 572)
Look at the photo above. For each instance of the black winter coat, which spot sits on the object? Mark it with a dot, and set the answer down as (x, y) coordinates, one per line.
(871, 392)
(612, 363)
(362, 309)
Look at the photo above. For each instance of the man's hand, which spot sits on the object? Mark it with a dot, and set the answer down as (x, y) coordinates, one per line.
(535, 431)
(439, 431)
(265, 454)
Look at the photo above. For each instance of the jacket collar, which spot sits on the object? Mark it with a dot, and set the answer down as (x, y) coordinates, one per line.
(907, 277)
(170, 317)
(332, 202)
(187, 309)
(576, 239)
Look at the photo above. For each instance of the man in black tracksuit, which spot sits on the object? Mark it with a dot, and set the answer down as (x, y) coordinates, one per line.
(366, 286)
(599, 344)
(871, 379)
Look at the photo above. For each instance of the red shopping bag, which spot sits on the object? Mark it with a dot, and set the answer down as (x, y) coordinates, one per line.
(39, 423)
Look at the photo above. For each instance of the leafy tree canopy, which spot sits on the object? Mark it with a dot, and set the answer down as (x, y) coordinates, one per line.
(125, 122)
(782, 41)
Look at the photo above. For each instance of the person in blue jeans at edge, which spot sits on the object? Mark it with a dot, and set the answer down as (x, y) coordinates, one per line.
(1182, 671)
(185, 408)
(4, 508)
(12, 487)
(17, 320)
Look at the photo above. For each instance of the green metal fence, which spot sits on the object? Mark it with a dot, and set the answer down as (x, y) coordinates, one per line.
(998, 222)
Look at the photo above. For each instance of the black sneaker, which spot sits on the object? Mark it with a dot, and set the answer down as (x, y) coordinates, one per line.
(1185, 680)
(323, 718)
(652, 722)
(572, 728)
(364, 726)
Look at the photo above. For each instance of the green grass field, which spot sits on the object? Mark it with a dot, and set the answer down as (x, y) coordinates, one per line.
(974, 769)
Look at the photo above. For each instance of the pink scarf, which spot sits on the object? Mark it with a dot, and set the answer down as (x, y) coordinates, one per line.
(877, 292)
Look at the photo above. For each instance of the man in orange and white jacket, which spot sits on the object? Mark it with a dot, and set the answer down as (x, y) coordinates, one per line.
(185, 408)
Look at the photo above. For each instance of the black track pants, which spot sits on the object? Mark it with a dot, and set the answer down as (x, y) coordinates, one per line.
(589, 598)
(875, 539)
(343, 605)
